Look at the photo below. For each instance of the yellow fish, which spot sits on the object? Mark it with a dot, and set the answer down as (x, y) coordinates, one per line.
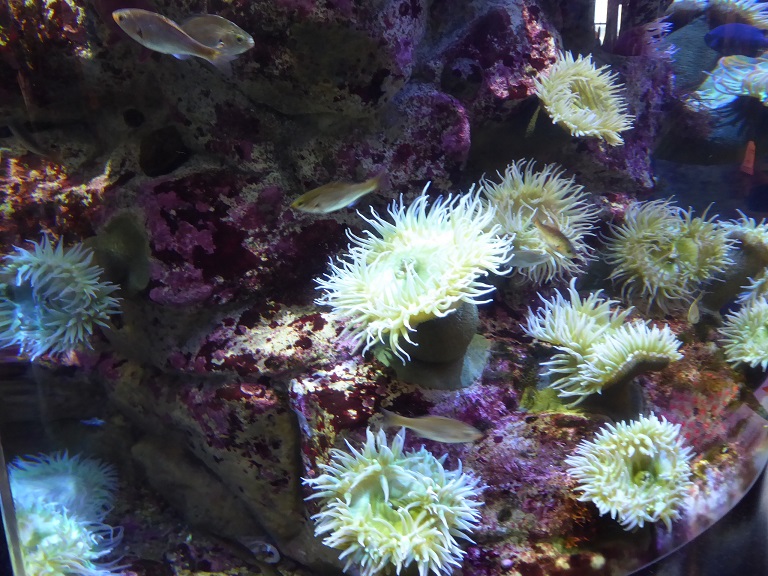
(438, 428)
(694, 314)
(163, 35)
(219, 33)
(335, 196)
(555, 238)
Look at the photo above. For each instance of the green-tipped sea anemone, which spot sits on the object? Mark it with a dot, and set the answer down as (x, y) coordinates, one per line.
(56, 542)
(584, 99)
(420, 266)
(663, 256)
(752, 239)
(751, 234)
(745, 334)
(743, 11)
(597, 347)
(524, 195)
(637, 471)
(386, 510)
(52, 298)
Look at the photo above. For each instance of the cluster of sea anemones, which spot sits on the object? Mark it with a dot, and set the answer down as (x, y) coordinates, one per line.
(387, 509)
(636, 471)
(597, 347)
(586, 100)
(663, 256)
(547, 216)
(52, 297)
(420, 266)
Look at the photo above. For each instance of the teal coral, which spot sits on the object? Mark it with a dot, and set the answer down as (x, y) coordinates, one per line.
(387, 510)
(636, 471)
(419, 267)
(664, 256)
(524, 194)
(52, 299)
(597, 347)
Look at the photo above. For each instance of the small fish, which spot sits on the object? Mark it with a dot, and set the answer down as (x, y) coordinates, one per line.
(529, 258)
(735, 38)
(438, 428)
(694, 315)
(93, 422)
(217, 32)
(335, 196)
(555, 238)
(532, 122)
(163, 35)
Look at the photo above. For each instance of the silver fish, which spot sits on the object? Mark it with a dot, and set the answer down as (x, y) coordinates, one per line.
(335, 196)
(438, 428)
(163, 35)
(217, 32)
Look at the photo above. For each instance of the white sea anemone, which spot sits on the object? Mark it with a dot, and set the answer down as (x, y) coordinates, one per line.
(585, 99)
(637, 471)
(51, 298)
(56, 542)
(524, 194)
(745, 334)
(418, 267)
(753, 235)
(755, 290)
(83, 486)
(733, 76)
(597, 348)
(386, 509)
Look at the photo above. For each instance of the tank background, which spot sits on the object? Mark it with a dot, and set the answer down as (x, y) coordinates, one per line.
(222, 377)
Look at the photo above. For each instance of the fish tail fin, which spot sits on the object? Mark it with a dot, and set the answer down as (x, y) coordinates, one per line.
(223, 62)
(378, 180)
(532, 122)
(390, 418)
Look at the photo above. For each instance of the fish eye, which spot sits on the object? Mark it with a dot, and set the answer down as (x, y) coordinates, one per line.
(121, 17)
(239, 38)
